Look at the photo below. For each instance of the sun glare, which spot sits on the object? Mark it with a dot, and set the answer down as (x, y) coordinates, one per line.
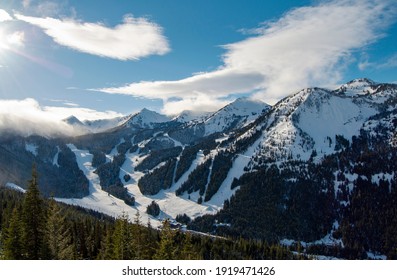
(3, 41)
(11, 41)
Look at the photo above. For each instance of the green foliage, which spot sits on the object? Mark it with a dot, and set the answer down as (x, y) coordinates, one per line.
(197, 180)
(220, 168)
(109, 178)
(86, 234)
(98, 158)
(156, 157)
(158, 179)
(183, 219)
(33, 221)
(58, 235)
(167, 247)
(122, 239)
(153, 209)
(13, 246)
(189, 154)
(270, 206)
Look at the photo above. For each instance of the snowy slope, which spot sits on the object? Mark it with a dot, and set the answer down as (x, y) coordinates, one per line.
(191, 116)
(235, 115)
(96, 126)
(170, 204)
(310, 119)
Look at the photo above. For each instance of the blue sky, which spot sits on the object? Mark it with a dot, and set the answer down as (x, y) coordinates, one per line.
(99, 59)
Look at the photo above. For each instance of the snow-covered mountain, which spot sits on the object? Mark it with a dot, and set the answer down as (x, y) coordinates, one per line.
(202, 164)
(307, 122)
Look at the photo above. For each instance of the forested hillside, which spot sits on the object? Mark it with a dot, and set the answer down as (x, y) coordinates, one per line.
(32, 227)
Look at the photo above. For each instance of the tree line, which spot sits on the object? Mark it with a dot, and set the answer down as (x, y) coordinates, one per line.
(33, 227)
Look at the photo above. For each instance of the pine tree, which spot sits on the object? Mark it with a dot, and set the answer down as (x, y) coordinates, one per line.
(138, 236)
(122, 239)
(13, 242)
(58, 234)
(149, 242)
(166, 249)
(188, 252)
(33, 220)
(107, 250)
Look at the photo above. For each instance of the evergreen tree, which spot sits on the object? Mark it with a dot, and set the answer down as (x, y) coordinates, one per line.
(107, 248)
(138, 236)
(122, 239)
(166, 249)
(188, 251)
(149, 242)
(13, 242)
(58, 234)
(33, 220)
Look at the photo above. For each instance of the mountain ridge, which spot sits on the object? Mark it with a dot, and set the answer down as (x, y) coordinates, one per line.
(309, 152)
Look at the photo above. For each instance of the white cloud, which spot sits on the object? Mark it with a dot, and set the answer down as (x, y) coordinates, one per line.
(4, 16)
(308, 46)
(217, 84)
(133, 39)
(80, 113)
(27, 117)
(199, 103)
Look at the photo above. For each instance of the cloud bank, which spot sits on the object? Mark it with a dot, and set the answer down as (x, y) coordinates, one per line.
(308, 46)
(26, 117)
(131, 40)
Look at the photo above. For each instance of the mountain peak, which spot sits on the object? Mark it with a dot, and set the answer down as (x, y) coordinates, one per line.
(359, 86)
(361, 81)
(146, 111)
(146, 119)
(239, 113)
(72, 120)
(188, 116)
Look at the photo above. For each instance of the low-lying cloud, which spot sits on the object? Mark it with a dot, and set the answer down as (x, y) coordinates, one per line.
(133, 39)
(26, 117)
(308, 46)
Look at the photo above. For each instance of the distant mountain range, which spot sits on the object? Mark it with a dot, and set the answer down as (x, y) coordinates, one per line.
(303, 169)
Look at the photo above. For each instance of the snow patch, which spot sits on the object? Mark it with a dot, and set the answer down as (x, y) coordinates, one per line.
(55, 160)
(15, 187)
(32, 148)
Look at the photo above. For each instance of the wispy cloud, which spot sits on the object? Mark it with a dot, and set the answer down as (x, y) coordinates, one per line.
(26, 117)
(307, 46)
(391, 62)
(131, 40)
(46, 8)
